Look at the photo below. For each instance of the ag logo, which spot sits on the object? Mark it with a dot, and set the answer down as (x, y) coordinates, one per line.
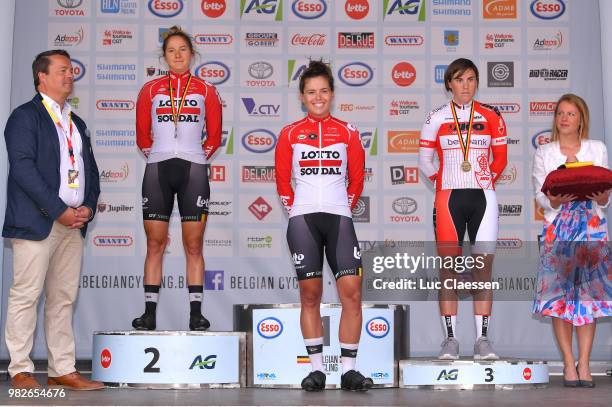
(403, 8)
(378, 327)
(450, 375)
(269, 328)
(209, 362)
(261, 8)
(166, 8)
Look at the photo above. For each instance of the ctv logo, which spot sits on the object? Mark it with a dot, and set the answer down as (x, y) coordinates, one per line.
(378, 327)
(270, 328)
(404, 10)
(261, 10)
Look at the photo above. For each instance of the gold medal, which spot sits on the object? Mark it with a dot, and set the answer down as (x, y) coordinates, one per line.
(465, 144)
(466, 166)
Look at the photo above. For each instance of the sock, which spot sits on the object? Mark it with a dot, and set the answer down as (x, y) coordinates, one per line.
(196, 292)
(151, 298)
(449, 324)
(482, 325)
(314, 347)
(348, 353)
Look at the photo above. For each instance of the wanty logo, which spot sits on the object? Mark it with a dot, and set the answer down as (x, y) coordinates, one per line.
(207, 362)
(166, 8)
(309, 9)
(355, 74)
(78, 70)
(311, 40)
(495, 9)
(260, 208)
(259, 141)
(114, 104)
(262, 8)
(270, 328)
(507, 107)
(105, 358)
(547, 9)
(213, 8)
(378, 327)
(69, 40)
(69, 8)
(115, 176)
(403, 141)
(357, 9)
(215, 72)
(404, 8)
(541, 138)
(213, 39)
(113, 241)
(403, 74)
(509, 243)
(548, 44)
(404, 40)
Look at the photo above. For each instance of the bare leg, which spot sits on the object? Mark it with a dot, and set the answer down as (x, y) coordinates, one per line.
(563, 332)
(349, 290)
(311, 291)
(193, 242)
(157, 238)
(585, 334)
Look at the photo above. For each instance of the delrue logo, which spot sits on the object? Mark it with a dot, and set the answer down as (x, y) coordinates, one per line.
(547, 9)
(260, 208)
(378, 327)
(106, 358)
(355, 74)
(500, 74)
(496, 9)
(549, 74)
(403, 141)
(542, 108)
(498, 40)
(269, 328)
(258, 173)
(356, 40)
(214, 280)
(403, 74)
(69, 8)
(309, 9)
(361, 211)
(114, 104)
(400, 107)
(165, 8)
(401, 175)
(404, 40)
(69, 39)
(259, 141)
(357, 9)
(78, 69)
(213, 8)
(213, 39)
(404, 8)
(113, 241)
(263, 110)
(215, 72)
(309, 40)
(261, 39)
(115, 175)
(257, 9)
(548, 43)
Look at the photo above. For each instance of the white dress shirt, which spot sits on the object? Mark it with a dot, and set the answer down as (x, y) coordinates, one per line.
(72, 197)
(548, 157)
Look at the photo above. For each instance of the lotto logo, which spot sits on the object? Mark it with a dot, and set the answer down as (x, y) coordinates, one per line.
(105, 358)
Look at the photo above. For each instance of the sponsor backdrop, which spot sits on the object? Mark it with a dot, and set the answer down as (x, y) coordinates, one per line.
(388, 58)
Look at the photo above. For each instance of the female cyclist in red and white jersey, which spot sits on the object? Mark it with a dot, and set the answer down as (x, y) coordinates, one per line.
(323, 152)
(171, 114)
(470, 141)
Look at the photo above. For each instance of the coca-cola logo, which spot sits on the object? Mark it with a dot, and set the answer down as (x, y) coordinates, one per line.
(213, 8)
(357, 9)
(312, 40)
(403, 74)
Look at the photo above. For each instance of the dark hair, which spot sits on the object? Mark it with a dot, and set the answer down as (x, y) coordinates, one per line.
(459, 66)
(41, 63)
(173, 31)
(314, 69)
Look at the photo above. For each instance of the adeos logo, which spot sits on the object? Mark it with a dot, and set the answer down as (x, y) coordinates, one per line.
(541, 138)
(508, 176)
(213, 8)
(378, 327)
(259, 141)
(115, 176)
(215, 72)
(78, 70)
(113, 241)
(527, 373)
(547, 9)
(69, 40)
(114, 104)
(309, 9)
(105, 358)
(355, 74)
(403, 141)
(269, 328)
(165, 8)
(357, 9)
(403, 74)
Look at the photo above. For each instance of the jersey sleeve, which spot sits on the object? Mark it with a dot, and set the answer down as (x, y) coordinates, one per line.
(283, 157)
(499, 147)
(427, 148)
(214, 121)
(144, 138)
(355, 167)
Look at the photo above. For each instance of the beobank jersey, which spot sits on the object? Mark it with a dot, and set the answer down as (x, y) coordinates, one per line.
(327, 161)
(155, 131)
(488, 140)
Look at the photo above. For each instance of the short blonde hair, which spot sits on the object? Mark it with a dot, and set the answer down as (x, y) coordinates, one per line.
(583, 129)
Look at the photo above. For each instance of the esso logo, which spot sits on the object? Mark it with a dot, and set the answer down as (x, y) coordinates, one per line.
(357, 9)
(541, 138)
(105, 358)
(259, 141)
(214, 72)
(165, 8)
(403, 74)
(78, 70)
(527, 373)
(378, 327)
(269, 328)
(213, 8)
(548, 9)
(309, 9)
(355, 74)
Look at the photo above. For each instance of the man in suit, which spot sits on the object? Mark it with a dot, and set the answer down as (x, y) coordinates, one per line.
(52, 191)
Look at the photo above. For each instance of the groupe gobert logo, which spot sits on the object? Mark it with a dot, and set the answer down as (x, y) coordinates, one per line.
(269, 328)
(214, 72)
(309, 9)
(378, 327)
(165, 8)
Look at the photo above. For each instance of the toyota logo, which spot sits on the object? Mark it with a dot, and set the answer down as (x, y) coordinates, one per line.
(404, 206)
(261, 70)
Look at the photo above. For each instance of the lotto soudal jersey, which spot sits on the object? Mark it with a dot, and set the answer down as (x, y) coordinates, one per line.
(485, 159)
(327, 161)
(165, 130)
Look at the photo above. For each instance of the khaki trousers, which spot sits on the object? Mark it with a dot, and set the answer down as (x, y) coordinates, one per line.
(55, 265)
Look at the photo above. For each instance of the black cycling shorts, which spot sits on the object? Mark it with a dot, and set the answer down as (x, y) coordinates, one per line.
(164, 179)
(308, 235)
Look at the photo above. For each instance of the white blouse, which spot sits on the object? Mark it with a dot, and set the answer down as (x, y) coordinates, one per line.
(548, 157)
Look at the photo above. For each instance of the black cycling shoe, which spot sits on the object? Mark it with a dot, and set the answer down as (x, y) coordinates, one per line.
(146, 322)
(355, 381)
(315, 381)
(198, 323)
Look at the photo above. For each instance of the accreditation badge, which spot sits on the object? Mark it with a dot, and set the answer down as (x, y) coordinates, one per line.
(73, 178)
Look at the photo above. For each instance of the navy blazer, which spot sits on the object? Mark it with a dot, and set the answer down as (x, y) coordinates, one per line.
(32, 195)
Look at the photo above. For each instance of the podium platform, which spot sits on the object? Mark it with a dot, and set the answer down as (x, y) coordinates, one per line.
(469, 374)
(169, 359)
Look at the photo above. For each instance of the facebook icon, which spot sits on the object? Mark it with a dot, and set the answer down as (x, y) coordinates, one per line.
(213, 279)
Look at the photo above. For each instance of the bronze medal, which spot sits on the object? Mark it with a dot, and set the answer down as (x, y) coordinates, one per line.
(466, 166)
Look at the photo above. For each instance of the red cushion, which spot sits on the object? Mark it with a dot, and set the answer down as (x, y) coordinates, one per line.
(579, 181)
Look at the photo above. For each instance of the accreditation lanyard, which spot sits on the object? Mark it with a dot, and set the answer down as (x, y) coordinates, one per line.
(67, 134)
(176, 112)
(465, 144)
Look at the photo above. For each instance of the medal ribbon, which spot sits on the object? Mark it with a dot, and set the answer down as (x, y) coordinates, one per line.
(66, 133)
(465, 146)
(176, 112)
